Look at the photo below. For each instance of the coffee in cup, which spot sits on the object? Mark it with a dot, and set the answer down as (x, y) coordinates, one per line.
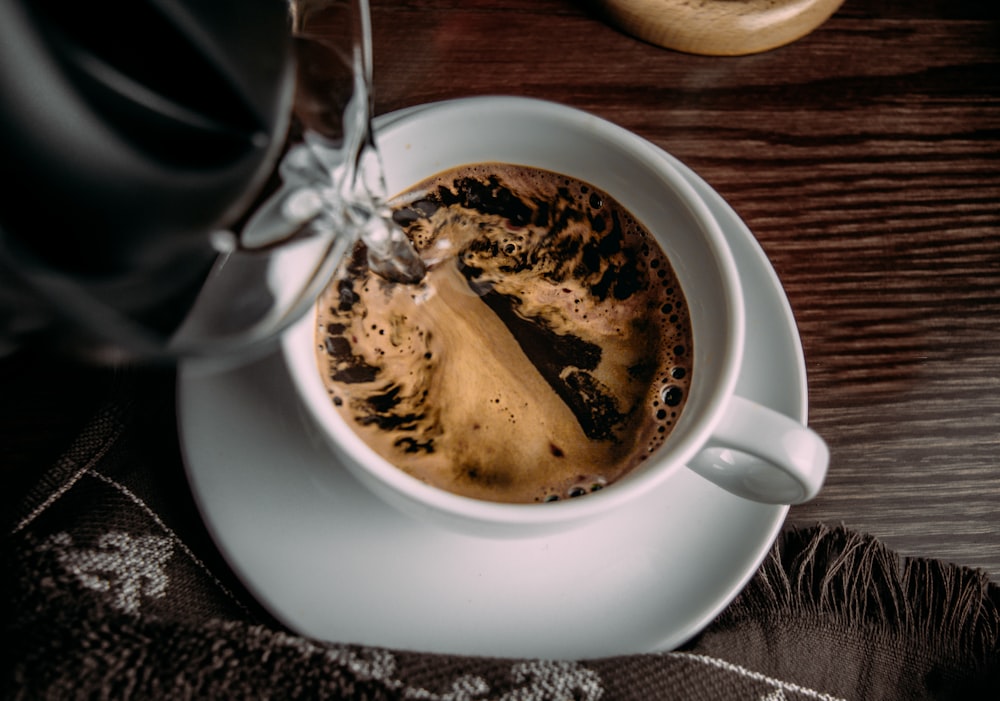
(547, 352)
(733, 441)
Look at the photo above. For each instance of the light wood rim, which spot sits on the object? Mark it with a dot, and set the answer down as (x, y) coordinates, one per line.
(719, 27)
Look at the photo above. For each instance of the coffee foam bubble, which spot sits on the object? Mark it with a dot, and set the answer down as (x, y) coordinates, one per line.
(545, 354)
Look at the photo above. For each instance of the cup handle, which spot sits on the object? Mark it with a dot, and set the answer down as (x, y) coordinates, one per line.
(761, 454)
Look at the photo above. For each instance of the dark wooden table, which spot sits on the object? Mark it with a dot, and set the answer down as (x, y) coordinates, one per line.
(865, 158)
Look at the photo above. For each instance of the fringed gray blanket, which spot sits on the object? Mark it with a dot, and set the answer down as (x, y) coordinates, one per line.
(112, 589)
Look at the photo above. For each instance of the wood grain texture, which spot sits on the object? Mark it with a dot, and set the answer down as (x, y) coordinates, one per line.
(865, 157)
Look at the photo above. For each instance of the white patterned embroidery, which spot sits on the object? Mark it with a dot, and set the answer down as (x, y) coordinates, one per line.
(126, 567)
(537, 680)
(554, 679)
(464, 688)
(173, 537)
(380, 665)
(780, 686)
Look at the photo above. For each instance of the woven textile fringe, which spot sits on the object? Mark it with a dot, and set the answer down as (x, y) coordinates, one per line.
(830, 614)
(824, 571)
(69, 644)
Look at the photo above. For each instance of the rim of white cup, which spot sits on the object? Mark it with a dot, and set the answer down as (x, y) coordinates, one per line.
(421, 499)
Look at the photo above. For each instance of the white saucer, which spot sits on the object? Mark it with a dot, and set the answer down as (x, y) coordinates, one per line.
(333, 562)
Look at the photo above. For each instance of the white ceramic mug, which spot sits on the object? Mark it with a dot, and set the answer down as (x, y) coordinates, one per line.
(742, 446)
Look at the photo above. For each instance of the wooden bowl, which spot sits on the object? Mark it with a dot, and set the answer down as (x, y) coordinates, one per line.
(719, 27)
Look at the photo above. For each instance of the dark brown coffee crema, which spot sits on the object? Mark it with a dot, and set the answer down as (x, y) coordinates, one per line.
(546, 353)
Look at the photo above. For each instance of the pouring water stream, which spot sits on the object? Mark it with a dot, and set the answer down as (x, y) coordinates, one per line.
(333, 180)
(332, 194)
